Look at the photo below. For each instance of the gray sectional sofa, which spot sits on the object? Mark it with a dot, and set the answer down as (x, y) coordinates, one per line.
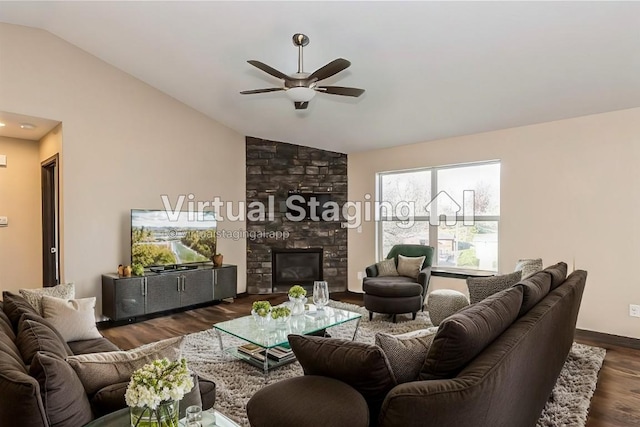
(492, 364)
(38, 388)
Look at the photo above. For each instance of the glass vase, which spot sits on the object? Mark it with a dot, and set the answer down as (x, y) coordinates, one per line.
(297, 305)
(165, 415)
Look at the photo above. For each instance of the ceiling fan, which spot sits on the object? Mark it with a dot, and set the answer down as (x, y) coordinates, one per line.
(301, 87)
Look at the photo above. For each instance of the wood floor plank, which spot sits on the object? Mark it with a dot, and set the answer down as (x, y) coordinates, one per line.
(616, 402)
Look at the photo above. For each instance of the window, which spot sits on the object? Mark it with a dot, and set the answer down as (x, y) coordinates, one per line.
(455, 209)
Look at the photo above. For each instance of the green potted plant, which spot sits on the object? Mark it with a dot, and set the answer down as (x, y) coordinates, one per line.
(261, 312)
(281, 314)
(297, 296)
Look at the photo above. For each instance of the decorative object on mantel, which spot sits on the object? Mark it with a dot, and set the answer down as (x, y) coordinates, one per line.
(217, 260)
(155, 391)
(261, 312)
(297, 296)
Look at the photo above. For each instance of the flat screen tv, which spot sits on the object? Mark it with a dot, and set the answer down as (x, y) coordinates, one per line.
(161, 238)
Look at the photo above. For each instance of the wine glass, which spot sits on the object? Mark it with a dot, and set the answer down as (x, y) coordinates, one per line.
(320, 294)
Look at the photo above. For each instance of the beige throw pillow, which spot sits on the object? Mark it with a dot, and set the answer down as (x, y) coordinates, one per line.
(75, 319)
(387, 268)
(98, 370)
(410, 266)
(34, 296)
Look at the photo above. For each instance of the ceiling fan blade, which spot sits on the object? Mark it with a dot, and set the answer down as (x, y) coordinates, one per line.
(269, 70)
(271, 89)
(301, 105)
(339, 90)
(333, 67)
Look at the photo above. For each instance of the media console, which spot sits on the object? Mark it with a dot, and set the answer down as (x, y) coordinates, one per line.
(129, 297)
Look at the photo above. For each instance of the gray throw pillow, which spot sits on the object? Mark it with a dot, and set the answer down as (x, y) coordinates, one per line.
(387, 267)
(64, 399)
(529, 266)
(34, 296)
(483, 287)
(406, 352)
(558, 274)
(410, 266)
(534, 288)
(462, 336)
(34, 337)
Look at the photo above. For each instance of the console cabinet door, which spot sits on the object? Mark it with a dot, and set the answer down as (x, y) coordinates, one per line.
(197, 287)
(123, 298)
(225, 285)
(163, 292)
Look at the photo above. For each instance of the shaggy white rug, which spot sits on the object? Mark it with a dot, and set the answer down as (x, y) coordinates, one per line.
(237, 381)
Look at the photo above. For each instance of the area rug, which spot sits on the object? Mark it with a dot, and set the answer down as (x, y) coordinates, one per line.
(237, 381)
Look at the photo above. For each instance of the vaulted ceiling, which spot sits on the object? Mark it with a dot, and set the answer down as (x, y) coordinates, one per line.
(431, 70)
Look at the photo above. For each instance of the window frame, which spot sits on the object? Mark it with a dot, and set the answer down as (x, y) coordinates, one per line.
(433, 229)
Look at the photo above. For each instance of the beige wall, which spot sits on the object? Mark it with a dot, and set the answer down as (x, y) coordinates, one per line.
(21, 241)
(569, 191)
(125, 144)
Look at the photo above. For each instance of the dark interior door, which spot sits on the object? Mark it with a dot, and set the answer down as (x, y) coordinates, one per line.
(50, 269)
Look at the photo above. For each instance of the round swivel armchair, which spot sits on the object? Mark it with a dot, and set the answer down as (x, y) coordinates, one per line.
(394, 293)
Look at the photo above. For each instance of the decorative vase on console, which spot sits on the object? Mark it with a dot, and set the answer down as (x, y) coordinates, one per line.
(297, 296)
(217, 260)
(261, 312)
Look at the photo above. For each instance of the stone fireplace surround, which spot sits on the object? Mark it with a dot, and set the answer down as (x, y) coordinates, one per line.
(274, 169)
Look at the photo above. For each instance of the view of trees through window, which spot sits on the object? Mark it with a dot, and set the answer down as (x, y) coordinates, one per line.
(455, 209)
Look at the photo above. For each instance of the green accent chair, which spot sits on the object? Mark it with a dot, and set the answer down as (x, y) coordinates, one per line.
(398, 294)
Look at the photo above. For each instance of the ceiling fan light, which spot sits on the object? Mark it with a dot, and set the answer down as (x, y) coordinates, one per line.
(301, 94)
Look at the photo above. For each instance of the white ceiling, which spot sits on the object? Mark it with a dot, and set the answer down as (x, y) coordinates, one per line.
(13, 122)
(430, 69)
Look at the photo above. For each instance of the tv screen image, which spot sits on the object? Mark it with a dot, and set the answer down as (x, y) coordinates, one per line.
(158, 240)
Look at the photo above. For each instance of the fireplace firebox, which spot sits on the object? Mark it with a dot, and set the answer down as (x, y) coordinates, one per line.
(295, 267)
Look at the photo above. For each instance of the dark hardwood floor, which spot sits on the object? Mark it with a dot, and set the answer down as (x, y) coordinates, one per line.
(616, 402)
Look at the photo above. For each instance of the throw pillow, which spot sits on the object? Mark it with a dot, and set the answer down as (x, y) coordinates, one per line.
(528, 266)
(406, 352)
(34, 296)
(462, 336)
(534, 289)
(98, 370)
(482, 287)
(362, 366)
(558, 274)
(75, 319)
(387, 267)
(410, 266)
(43, 321)
(34, 337)
(5, 325)
(63, 397)
(14, 306)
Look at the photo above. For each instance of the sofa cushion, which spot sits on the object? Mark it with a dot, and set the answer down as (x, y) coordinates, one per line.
(363, 366)
(34, 337)
(391, 286)
(462, 336)
(14, 306)
(109, 399)
(558, 274)
(34, 296)
(529, 266)
(98, 345)
(5, 325)
(534, 288)
(75, 319)
(98, 370)
(18, 390)
(387, 267)
(410, 266)
(482, 287)
(63, 396)
(406, 352)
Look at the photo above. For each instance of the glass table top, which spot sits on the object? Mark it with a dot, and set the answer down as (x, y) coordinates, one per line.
(274, 334)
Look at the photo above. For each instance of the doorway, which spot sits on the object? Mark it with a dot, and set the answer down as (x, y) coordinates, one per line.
(50, 222)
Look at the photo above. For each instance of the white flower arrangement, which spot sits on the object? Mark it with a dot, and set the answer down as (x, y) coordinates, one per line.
(158, 382)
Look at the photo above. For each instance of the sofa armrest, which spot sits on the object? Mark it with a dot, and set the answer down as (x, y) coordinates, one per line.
(372, 271)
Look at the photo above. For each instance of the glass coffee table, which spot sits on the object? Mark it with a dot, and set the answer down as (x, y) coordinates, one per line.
(121, 418)
(266, 347)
